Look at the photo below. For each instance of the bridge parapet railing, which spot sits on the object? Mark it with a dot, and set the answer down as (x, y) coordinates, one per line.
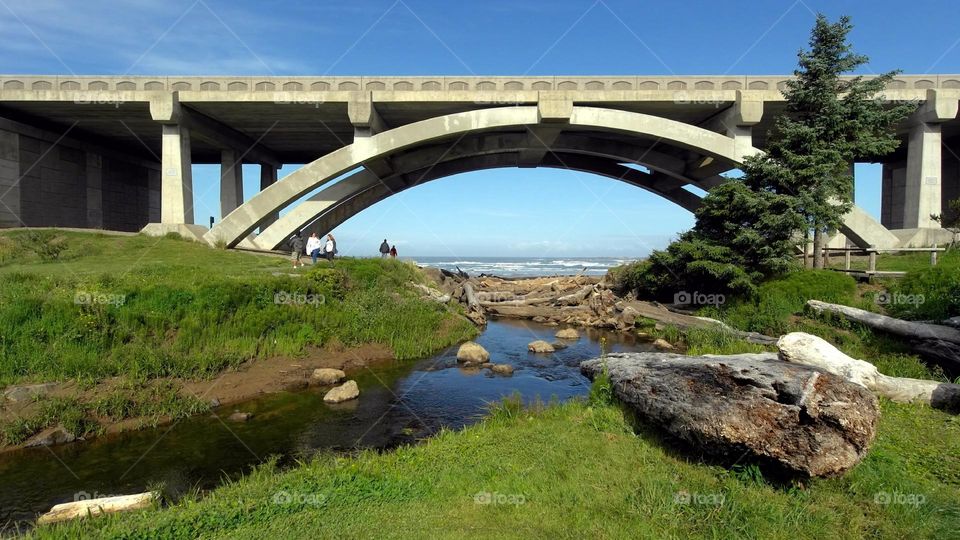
(444, 83)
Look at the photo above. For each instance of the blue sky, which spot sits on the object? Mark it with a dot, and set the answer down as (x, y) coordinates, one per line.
(512, 212)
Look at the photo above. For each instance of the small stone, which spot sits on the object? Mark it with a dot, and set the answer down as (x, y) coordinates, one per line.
(345, 392)
(486, 365)
(661, 343)
(540, 346)
(629, 316)
(20, 394)
(238, 416)
(51, 436)
(214, 403)
(502, 369)
(327, 376)
(567, 333)
(558, 345)
(472, 353)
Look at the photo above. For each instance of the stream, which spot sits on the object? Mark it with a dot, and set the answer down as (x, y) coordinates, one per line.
(400, 403)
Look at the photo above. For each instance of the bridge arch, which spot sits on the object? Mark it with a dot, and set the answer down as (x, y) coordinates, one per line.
(595, 140)
(242, 221)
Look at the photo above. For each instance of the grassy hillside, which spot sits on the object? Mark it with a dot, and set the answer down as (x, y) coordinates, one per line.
(86, 307)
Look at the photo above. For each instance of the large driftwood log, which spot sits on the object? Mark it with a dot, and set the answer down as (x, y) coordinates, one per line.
(811, 350)
(474, 309)
(432, 293)
(95, 507)
(805, 420)
(938, 343)
(577, 297)
(664, 315)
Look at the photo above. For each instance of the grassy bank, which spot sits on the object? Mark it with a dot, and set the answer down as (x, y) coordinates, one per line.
(573, 470)
(84, 308)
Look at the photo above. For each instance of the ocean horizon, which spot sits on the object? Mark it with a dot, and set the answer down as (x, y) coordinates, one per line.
(524, 266)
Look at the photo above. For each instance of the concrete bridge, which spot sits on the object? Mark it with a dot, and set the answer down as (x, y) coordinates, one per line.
(116, 152)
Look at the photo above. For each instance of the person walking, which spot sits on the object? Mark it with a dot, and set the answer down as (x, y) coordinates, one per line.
(384, 249)
(296, 245)
(313, 247)
(393, 252)
(330, 249)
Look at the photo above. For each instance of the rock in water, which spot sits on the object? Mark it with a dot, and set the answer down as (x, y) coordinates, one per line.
(540, 346)
(502, 369)
(472, 353)
(345, 392)
(50, 437)
(661, 343)
(327, 376)
(807, 421)
(238, 416)
(567, 333)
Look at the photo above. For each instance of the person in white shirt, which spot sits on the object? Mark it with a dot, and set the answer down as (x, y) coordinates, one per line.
(330, 249)
(313, 247)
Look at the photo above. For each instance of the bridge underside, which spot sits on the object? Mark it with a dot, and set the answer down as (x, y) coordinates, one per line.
(120, 158)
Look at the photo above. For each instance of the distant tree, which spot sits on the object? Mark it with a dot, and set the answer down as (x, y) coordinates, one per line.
(951, 221)
(740, 238)
(830, 123)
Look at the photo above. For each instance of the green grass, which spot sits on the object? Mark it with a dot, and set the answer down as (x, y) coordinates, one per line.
(99, 306)
(897, 262)
(570, 471)
(146, 308)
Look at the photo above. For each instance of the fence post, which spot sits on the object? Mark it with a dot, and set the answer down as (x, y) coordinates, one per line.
(873, 259)
(846, 259)
(933, 255)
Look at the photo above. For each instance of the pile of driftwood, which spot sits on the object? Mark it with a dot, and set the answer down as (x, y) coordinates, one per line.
(585, 301)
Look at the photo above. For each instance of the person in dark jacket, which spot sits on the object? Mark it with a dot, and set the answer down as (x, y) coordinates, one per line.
(393, 252)
(296, 246)
(384, 249)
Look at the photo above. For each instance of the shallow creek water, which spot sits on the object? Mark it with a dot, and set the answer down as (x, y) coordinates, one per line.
(399, 403)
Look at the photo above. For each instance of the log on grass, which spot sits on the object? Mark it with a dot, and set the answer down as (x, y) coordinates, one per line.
(811, 350)
(939, 343)
(94, 507)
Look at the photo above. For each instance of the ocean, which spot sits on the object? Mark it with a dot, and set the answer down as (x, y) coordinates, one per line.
(524, 266)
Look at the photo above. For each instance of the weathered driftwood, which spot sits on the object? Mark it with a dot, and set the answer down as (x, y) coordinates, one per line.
(95, 507)
(432, 293)
(662, 314)
(751, 406)
(474, 309)
(938, 343)
(577, 297)
(811, 350)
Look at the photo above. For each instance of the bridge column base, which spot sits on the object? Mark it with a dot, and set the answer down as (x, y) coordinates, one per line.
(922, 237)
(186, 230)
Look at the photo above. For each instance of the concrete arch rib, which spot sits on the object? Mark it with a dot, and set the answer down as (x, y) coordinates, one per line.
(242, 221)
(368, 190)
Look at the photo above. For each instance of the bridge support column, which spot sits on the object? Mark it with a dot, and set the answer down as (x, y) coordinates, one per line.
(176, 185)
(923, 184)
(10, 179)
(231, 182)
(94, 177)
(268, 177)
